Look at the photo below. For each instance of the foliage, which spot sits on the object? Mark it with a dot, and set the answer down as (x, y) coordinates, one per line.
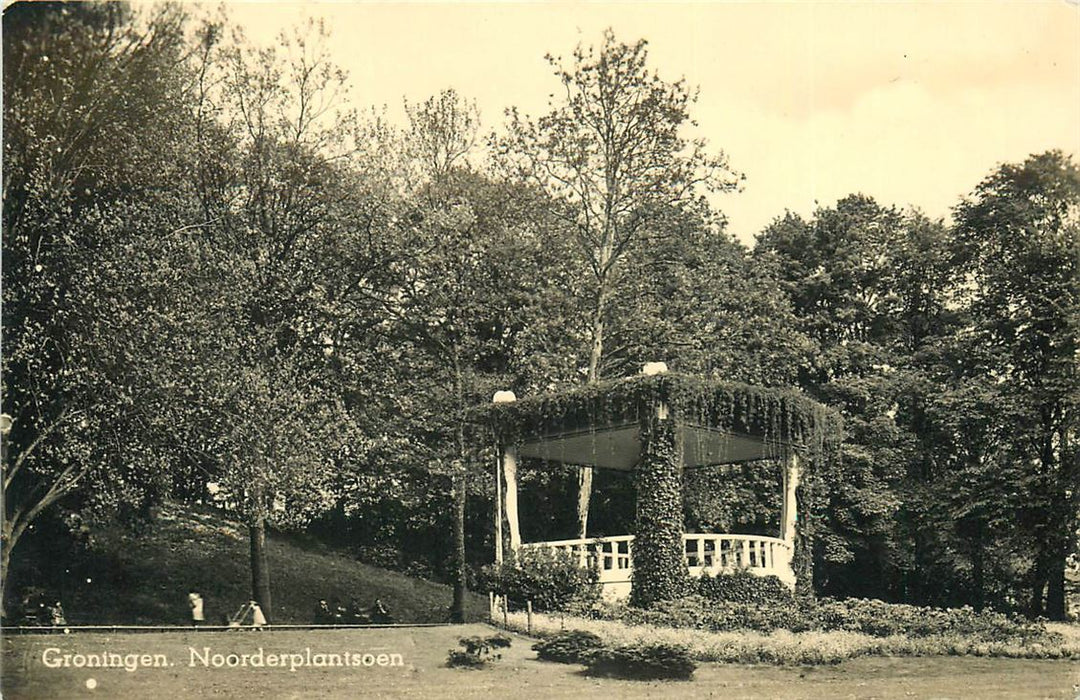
(550, 579)
(612, 156)
(862, 291)
(881, 619)
(90, 166)
(215, 271)
(1018, 240)
(642, 662)
(478, 652)
(743, 587)
(569, 647)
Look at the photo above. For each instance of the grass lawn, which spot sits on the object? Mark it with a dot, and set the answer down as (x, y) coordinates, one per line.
(518, 674)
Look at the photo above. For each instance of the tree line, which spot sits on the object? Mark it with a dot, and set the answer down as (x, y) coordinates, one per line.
(217, 270)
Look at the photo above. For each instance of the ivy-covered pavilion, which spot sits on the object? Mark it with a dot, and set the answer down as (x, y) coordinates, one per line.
(657, 425)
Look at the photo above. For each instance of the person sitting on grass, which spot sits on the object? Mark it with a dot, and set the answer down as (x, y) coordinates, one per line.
(323, 616)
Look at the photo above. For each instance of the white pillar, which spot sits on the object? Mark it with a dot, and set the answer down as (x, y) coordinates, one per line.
(789, 507)
(510, 474)
(498, 514)
(509, 464)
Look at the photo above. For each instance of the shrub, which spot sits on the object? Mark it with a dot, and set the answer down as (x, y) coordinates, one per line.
(744, 587)
(550, 579)
(571, 647)
(478, 651)
(642, 662)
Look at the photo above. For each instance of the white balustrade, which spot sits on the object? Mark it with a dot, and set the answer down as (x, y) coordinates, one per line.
(704, 554)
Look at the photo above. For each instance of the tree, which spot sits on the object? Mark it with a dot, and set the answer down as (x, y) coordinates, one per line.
(469, 267)
(613, 156)
(86, 162)
(693, 295)
(284, 264)
(1019, 244)
(868, 284)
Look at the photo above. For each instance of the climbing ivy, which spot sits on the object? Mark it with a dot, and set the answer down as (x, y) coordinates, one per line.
(659, 569)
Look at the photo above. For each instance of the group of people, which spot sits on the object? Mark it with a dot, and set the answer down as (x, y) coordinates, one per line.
(335, 613)
(40, 610)
(198, 614)
(332, 613)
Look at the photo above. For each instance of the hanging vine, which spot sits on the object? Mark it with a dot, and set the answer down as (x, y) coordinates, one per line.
(778, 416)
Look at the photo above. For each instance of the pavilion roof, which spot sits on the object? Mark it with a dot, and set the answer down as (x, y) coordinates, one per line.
(717, 422)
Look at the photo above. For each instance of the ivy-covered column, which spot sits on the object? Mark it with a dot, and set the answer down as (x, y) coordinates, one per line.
(659, 568)
(803, 560)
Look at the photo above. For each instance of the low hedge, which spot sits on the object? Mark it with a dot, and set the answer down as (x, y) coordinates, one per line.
(657, 661)
(642, 661)
(572, 647)
(744, 587)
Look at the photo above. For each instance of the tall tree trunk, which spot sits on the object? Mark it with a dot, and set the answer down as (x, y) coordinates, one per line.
(1055, 586)
(459, 484)
(5, 562)
(1063, 523)
(260, 569)
(1038, 583)
(457, 608)
(596, 353)
(978, 567)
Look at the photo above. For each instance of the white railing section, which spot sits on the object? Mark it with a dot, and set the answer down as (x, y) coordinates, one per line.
(704, 554)
(611, 555)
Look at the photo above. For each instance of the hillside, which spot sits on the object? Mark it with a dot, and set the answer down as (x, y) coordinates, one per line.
(145, 578)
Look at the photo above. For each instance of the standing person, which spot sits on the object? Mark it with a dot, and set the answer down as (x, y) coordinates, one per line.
(196, 602)
(258, 620)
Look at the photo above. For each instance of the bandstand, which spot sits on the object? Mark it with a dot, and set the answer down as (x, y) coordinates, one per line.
(657, 425)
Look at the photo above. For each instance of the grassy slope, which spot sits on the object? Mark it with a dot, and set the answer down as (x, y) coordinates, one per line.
(145, 579)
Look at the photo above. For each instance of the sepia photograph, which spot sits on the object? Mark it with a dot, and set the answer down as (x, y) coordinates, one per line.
(553, 349)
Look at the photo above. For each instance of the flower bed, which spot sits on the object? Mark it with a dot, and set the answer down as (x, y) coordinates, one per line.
(809, 647)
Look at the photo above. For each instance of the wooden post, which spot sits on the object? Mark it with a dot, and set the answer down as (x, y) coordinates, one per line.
(528, 623)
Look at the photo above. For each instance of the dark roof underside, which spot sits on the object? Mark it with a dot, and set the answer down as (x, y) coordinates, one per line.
(619, 447)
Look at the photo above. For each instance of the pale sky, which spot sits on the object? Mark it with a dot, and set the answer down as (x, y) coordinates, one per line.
(912, 103)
